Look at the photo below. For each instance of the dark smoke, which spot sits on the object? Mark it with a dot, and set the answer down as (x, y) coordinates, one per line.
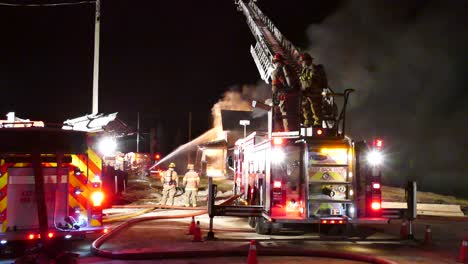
(408, 62)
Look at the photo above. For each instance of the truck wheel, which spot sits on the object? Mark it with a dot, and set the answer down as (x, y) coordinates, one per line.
(252, 222)
(276, 228)
(262, 227)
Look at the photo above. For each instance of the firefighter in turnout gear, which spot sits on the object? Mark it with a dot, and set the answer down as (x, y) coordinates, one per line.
(191, 182)
(280, 86)
(313, 81)
(170, 182)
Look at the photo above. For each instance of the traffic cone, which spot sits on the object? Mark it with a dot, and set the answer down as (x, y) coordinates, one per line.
(252, 258)
(404, 230)
(191, 227)
(428, 235)
(197, 237)
(463, 257)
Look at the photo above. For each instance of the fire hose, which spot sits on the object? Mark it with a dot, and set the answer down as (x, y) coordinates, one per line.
(232, 252)
(147, 208)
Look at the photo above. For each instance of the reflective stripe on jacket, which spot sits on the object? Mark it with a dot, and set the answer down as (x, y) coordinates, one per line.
(307, 74)
(280, 77)
(170, 178)
(191, 181)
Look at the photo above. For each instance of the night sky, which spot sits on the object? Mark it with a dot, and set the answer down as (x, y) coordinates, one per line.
(160, 58)
(406, 59)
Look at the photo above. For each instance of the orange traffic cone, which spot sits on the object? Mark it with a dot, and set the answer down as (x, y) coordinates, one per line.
(191, 227)
(404, 230)
(463, 257)
(428, 235)
(252, 258)
(197, 237)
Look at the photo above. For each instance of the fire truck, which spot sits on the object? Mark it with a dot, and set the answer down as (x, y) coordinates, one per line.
(321, 179)
(50, 183)
(310, 175)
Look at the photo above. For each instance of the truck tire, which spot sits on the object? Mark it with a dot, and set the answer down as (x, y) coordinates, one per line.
(276, 229)
(262, 227)
(252, 222)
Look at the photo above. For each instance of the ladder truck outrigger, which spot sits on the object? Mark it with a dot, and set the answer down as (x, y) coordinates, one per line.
(306, 176)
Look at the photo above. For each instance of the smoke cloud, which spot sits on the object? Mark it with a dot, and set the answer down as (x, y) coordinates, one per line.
(408, 62)
(231, 100)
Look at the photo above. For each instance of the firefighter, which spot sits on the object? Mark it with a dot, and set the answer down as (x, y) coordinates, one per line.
(170, 182)
(191, 182)
(280, 86)
(313, 81)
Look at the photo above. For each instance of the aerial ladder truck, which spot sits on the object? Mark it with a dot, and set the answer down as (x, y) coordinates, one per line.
(306, 176)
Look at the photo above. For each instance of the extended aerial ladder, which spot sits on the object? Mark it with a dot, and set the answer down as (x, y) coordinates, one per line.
(270, 41)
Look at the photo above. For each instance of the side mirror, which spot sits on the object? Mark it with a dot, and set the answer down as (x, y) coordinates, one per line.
(230, 161)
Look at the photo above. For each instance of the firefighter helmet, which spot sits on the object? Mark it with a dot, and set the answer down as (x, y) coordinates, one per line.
(172, 165)
(278, 57)
(306, 57)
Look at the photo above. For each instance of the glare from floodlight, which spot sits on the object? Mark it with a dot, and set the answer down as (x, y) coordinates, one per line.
(107, 146)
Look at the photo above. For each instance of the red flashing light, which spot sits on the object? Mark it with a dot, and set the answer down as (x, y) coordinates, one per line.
(105, 231)
(378, 143)
(376, 185)
(375, 206)
(324, 221)
(50, 235)
(332, 221)
(157, 156)
(97, 198)
(31, 236)
(277, 184)
(277, 141)
(340, 222)
(319, 131)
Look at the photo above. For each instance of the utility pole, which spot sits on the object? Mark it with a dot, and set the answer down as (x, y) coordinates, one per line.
(138, 132)
(97, 29)
(189, 135)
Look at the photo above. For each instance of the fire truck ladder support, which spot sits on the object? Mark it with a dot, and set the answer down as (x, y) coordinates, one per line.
(227, 210)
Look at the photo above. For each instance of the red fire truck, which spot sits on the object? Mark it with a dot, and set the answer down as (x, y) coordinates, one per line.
(50, 183)
(308, 179)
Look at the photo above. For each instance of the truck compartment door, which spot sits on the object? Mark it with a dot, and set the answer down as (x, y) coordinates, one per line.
(22, 207)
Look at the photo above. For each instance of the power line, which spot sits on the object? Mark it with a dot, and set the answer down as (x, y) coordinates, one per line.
(49, 5)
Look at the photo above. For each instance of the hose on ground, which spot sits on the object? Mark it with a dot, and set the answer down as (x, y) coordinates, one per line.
(228, 252)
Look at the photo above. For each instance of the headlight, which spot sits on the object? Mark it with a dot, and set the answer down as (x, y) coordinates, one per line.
(374, 158)
(277, 155)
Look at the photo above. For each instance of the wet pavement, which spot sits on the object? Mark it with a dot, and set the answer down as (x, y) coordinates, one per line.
(168, 242)
(169, 236)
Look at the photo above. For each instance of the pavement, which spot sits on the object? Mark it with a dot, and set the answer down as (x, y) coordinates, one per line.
(166, 240)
